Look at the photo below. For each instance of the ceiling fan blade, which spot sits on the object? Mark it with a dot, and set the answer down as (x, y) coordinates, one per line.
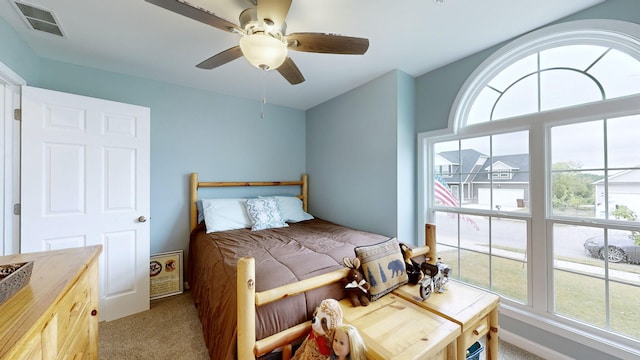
(290, 71)
(273, 12)
(327, 43)
(196, 13)
(221, 58)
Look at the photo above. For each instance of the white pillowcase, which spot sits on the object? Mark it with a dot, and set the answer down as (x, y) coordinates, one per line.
(225, 214)
(291, 209)
(264, 214)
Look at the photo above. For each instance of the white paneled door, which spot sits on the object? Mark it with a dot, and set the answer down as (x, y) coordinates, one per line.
(85, 181)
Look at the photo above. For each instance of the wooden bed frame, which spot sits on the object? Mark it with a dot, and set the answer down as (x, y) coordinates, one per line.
(247, 297)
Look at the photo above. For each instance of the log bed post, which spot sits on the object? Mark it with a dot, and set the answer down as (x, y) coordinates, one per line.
(246, 309)
(305, 192)
(429, 248)
(430, 241)
(193, 197)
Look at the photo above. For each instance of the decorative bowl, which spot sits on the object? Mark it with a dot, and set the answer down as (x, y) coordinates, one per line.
(14, 277)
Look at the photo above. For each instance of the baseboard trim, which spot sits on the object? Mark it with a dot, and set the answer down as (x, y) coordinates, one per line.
(532, 347)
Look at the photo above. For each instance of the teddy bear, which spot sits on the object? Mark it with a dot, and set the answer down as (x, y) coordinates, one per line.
(355, 284)
(318, 344)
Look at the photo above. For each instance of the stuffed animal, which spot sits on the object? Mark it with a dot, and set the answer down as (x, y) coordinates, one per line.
(355, 284)
(414, 270)
(318, 344)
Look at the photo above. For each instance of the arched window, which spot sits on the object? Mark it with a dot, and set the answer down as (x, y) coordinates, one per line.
(555, 78)
(536, 193)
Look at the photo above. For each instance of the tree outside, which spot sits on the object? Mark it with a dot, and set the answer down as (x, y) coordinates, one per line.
(623, 212)
(571, 188)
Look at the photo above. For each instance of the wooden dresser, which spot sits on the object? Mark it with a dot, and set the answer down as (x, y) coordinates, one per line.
(55, 316)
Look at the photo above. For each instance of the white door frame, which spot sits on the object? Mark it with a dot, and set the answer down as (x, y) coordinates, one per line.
(10, 84)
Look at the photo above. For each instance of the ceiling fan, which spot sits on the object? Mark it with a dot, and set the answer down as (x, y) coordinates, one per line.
(264, 42)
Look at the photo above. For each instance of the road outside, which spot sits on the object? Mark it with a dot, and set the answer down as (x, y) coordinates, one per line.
(511, 234)
(509, 239)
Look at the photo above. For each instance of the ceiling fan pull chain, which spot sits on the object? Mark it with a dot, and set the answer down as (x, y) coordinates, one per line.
(264, 96)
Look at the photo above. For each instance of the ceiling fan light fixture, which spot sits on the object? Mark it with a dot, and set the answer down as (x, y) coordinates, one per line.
(263, 51)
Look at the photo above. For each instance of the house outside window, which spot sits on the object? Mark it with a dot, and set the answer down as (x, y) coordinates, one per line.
(546, 198)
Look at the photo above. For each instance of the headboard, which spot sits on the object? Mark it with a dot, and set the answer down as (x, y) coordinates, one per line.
(195, 184)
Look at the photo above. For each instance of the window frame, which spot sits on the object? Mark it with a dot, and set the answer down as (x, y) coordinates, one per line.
(620, 35)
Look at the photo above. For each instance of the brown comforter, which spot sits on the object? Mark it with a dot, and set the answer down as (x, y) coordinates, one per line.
(283, 256)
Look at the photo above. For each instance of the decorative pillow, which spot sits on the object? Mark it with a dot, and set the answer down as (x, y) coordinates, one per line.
(291, 208)
(383, 267)
(225, 214)
(264, 214)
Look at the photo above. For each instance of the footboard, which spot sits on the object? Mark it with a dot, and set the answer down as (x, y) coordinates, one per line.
(248, 299)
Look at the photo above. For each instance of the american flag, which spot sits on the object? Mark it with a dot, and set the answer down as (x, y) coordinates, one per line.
(444, 195)
(442, 192)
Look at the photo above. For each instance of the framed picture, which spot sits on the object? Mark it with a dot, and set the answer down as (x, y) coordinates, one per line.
(165, 273)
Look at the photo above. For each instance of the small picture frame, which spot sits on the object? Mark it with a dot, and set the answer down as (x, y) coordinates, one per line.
(165, 274)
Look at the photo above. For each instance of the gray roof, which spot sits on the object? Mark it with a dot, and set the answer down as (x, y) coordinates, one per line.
(472, 170)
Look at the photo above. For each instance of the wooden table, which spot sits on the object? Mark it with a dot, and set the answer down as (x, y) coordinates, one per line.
(394, 328)
(475, 310)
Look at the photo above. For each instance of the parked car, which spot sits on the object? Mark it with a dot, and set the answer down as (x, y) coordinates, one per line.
(621, 248)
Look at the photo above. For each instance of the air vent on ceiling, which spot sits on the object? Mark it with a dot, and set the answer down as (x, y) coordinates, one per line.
(38, 18)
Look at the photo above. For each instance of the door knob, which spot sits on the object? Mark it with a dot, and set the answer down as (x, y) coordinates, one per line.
(142, 219)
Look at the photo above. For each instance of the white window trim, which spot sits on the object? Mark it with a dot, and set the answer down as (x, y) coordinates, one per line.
(621, 35)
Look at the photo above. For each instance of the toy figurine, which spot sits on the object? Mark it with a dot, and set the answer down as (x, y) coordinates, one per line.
(435, 278)
(444, 270)
(347, 344)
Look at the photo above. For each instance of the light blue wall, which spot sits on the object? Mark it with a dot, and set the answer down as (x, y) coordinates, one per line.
(16, 54)
(359, 150)
(436, 92)
(356, 147)
(406, 208)
(223, 138)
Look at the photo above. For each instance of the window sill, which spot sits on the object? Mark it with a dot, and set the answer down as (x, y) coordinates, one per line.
(611, 344)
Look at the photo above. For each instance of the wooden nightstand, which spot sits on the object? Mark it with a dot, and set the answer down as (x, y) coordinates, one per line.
(394, 328)
(476, 311)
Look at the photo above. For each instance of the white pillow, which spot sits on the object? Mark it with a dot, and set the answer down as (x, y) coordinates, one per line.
(291, 209)
(264, 214)
(225, 214)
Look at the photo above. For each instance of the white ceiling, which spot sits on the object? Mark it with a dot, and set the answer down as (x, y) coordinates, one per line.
(416, 36)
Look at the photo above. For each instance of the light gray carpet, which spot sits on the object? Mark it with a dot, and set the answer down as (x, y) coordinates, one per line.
(171, 330)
